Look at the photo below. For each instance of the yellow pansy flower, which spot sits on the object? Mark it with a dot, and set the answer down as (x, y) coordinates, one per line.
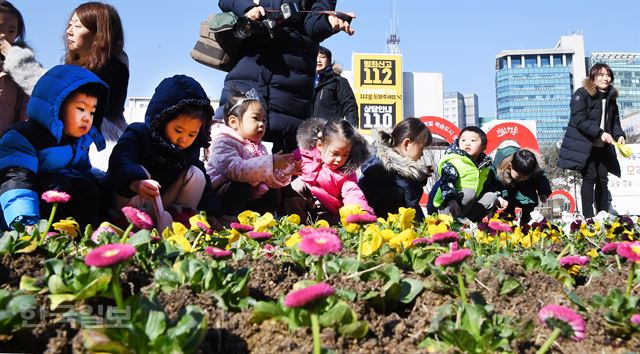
(178, 236)
(234, 235)
(67, 226)
(294, 219)
(406, 216)
(247, 217)
(387, 234)
(321, 223)
(372, 244)
(349, 209)
(264, 222)
(403, 239)
(198, 218)
(592, 253)
(293, 240)
(437, 227)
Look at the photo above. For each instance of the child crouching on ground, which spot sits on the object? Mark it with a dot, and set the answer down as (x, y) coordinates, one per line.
(50, 151)
(520, 180)
(242, 172)
(330, 153)
(462, 190)
(396, 175)
(161, 157)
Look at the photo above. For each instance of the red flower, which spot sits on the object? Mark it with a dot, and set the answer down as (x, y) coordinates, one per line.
(629, 250)
(556, 316)
(320, 243)
(361, 219)
(54, 196)
(259, 236)
(269, 250)
(108, 255)
(204, 228)
(216, 252)
(137, 217)
(302, 297)
(241, 227)
(453, 258)
(309, 230)
(635, 319)
(420, 241)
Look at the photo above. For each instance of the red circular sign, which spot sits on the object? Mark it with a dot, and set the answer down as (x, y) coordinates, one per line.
(511, 131)
(568, 196)
(441, 127)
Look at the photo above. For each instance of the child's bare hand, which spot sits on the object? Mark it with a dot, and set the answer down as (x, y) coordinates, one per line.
(146, 188)
(5, 47)
(607, 138)
(281, 161)
(502, 203)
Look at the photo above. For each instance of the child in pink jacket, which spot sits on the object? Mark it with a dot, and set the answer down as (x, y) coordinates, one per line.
(242, 172)
(330, 154)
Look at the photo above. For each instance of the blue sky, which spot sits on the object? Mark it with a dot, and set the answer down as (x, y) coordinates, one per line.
(459, 38)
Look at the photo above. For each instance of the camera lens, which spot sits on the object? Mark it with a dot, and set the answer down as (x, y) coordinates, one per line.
(243, 28)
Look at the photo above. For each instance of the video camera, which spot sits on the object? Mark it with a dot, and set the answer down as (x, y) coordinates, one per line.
(245, 28)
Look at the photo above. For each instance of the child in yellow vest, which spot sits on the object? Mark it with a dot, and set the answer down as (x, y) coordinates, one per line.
(464, 171)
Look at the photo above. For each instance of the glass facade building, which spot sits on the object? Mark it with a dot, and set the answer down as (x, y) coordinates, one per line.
(626, 72)
(537, 84)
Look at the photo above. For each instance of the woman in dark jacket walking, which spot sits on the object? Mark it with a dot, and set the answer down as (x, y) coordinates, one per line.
(334, 98)
(282, 68)
(593, 128)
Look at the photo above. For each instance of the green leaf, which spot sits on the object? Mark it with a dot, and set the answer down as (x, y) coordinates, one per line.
(98, 285)
(97, 342)
(265, 310)
(56, 285)
(510, 286)
(410, 289)
(464, 340)
(156, 324)
(357, 329)
(472, 318)
(57, 299)
(28, 283)
(575, 299)
(139, 238)
(22, 303)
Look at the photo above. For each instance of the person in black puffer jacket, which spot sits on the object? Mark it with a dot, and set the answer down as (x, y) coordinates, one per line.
(396, 175)
(334, 98)
(593, 128)
(281, 69)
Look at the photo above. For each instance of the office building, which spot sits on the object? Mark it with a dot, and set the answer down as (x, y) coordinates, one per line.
(626, 73)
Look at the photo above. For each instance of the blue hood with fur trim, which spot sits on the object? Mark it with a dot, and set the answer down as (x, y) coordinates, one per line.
(52, 90)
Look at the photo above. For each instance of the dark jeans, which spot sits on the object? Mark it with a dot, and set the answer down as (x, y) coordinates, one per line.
(595, 179)
(239, 196)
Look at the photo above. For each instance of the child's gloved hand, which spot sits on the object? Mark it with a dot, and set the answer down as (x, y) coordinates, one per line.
(454, 208)
(146, 188)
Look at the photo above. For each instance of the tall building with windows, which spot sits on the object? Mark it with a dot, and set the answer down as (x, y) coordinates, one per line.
(537, 84)
(454, 109)
(626, 73)
(471, 112)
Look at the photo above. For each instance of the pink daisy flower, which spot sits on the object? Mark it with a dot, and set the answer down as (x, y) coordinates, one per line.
(361, 219)
(453, 258)
(241, 227)
(137, 217)
(51, 234)
(95, 236)
(420, 241)
(629, 250)
(259, 236)
(635, 319)
(108, 255)
(610, 248)
(269, 250)
(309, 230)
(444, 237)
(570, 261)
(204, 228)
(499, 226)
(302, 297)
(453, 246)
(556, 316)
(54, 196)
(216, 252)
(320, 243)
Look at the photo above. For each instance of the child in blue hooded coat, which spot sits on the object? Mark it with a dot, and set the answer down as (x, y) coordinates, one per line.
(161, 157)
(50, 151)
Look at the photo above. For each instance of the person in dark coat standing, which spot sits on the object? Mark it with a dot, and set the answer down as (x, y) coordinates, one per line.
(282, 68)
(593, 128)
(334, 97)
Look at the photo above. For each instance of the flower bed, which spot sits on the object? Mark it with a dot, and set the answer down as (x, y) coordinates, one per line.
(271, 286)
